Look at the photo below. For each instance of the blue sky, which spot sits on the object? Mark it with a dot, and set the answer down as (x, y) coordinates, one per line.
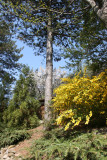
(34, 61)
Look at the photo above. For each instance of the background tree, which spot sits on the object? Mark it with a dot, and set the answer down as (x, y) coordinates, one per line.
(40, 78)
(9, 56)
(22, 108)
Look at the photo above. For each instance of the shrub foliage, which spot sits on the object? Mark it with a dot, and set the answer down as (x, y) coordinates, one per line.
(79, 146)
(81, 100)
(11, 137)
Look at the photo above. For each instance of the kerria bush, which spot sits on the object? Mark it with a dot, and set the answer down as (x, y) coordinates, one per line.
(81, 100)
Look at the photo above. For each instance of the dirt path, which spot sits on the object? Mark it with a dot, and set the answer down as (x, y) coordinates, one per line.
(22, 149)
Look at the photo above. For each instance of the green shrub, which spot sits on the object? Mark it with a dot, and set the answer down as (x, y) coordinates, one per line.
(11, 137)
(2, 126)
(79, 146)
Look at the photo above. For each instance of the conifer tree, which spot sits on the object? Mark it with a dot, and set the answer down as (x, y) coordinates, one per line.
(48, 22)
(9, 56)
(22, 109)
(90, 45)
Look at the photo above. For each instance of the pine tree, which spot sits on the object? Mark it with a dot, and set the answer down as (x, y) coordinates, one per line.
(22, 109)
(44, 23)
(48, 22)
(90, 45)
(9, 56)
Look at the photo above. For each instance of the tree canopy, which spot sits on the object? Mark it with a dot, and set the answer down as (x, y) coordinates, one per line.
(89, 45)
(9, 56)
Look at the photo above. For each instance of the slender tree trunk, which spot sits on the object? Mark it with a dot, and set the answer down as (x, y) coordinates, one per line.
(100, 9)
(49, 72)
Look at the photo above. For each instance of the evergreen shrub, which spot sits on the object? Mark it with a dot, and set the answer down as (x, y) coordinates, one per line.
(22, 109)
(11, 137)
(77, 146)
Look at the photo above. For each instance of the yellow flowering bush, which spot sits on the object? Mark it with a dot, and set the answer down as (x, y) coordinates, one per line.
(81, 99)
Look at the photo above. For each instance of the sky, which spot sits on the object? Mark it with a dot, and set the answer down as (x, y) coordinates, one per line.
(35, 62)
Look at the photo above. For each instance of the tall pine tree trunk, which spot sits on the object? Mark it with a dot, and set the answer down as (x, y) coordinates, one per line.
(49, 72)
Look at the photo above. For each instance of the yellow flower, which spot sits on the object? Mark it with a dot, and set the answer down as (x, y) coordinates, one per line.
(90, 114)
(102, 112)
(67, 126)
(87, 119)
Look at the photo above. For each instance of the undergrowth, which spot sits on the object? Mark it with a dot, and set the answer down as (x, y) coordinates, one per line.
(11, 137)
(60, 145)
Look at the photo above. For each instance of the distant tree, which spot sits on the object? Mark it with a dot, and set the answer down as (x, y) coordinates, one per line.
(22, 108)
(40, 77)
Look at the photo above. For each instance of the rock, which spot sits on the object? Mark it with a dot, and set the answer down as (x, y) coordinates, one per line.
(12, 150)
(3, 150)
(17, 155)
(8, 158)
(5, 156)
(10, 154)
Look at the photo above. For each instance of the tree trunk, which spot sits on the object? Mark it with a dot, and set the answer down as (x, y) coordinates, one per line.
(100, 9)
(49, 72)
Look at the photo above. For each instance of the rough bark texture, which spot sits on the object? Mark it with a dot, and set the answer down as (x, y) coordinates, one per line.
(100, 8)
(49, 69)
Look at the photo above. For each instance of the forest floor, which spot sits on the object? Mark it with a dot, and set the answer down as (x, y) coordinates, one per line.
(22, 148)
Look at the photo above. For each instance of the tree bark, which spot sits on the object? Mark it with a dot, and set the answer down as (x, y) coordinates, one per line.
(49, 72)
(100, 9)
